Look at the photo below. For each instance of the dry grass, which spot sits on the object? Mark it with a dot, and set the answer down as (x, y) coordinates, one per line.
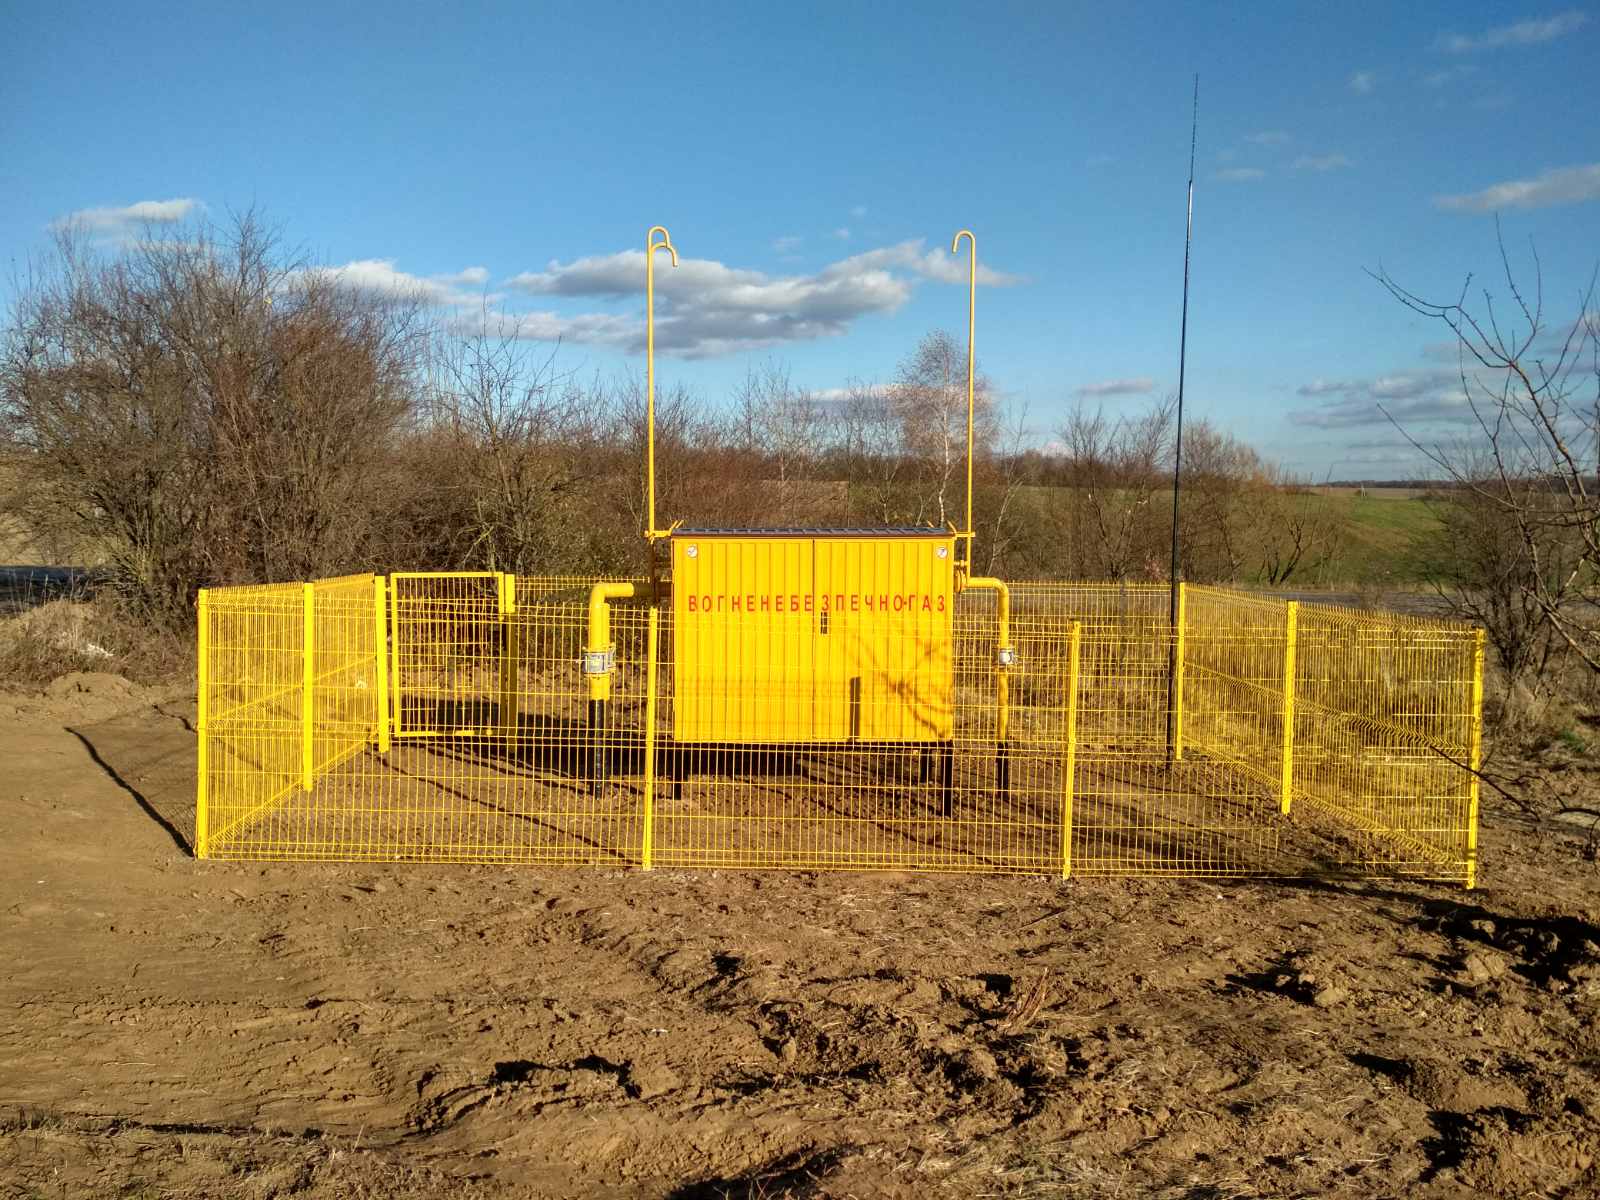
(58, 637)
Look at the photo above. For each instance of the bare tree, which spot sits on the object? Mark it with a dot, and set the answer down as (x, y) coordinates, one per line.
(871, 451)
(780, 428)
(1532, 387)
(1244, 517)
(509, 448)
(202, 408)
(930, 402)
(1113, 469)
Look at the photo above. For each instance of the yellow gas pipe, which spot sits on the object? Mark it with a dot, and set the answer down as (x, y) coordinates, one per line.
(651, 246)
(1004, 655)
(599, 661)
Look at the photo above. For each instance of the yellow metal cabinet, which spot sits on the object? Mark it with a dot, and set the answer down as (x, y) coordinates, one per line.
(812, 636)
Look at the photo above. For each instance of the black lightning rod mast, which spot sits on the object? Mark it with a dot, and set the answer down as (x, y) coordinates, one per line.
(1173, 699)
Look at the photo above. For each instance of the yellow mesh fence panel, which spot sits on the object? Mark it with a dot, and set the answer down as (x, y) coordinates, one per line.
(466, 717)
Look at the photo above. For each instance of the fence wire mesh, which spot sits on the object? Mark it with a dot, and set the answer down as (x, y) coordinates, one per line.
(460, 717)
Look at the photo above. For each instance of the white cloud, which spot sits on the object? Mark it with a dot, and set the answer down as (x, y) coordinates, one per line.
(1411, 398)
(1326, 387)
(1241, 174)
(380, 277)
(787, 245)
(936, 264)
(144, 212)
(1435, 79)
(1362, 82)
(705, 308)
(1320, 162)
(1561, 185)
(1269, 137)
(859, 211)
(1138, 385)
(1523, 33)
(1439, 408)
(470, 277)
(838, 395)
(842, 233)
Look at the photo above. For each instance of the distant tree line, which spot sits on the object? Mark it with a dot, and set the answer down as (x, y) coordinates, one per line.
(204, 409)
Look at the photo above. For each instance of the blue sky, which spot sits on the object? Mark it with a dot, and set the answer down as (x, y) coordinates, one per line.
(813, 161)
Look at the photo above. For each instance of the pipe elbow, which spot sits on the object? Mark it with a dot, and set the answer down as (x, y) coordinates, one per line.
(600, 597)
(1002, 593)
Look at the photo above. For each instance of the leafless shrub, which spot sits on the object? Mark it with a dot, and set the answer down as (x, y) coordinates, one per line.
(1519, 549)
(202, 409)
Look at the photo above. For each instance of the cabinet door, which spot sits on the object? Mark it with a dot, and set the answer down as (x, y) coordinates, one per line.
(884, 623)
(743, 617)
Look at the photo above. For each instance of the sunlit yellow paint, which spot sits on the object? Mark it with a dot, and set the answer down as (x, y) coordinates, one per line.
(308, 707)
(972, 328)
(202, 724)
(1475, 758)
(1286, 776)
(651, 246)
(1177, 667)
(510, 652)
(802, 638)
(652, 654)
(1069, 757)
(1002, 645)
(380, 660)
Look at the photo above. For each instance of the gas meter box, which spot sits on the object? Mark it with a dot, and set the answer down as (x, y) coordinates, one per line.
(806, 635)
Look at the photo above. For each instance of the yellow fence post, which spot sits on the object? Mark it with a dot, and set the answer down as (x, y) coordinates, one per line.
(380, 659)
(1177, 667)
(1475, 759)
(395, 707)
(647, 847)
(1291, 622)
(202, 725)
(510, 648)
(308, 679)
(1069, 769)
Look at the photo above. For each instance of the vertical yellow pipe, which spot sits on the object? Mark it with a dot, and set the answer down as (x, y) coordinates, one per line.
(647, 848)
(1475, 759)
(1286, 782)
(380, 658)
(308, 679)
(1177, 689)
(972, 310)
(1069, 769)
(510, 649)
(202, 725)
(1002, 596)
(651, 246)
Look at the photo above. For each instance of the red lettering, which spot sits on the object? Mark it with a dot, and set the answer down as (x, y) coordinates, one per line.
(855, 602)
(883, 603)
(810, 600)
(941, 603)
(692, 604)
(750, 602)
(736, 600)
(766, 603)
(899, 602)
(927, 604)
(794, 602)
(722, 602)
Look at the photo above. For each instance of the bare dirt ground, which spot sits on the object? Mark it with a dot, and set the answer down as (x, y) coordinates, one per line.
(181, 1029)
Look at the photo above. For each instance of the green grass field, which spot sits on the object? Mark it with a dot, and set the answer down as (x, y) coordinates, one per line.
(1381, 531)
